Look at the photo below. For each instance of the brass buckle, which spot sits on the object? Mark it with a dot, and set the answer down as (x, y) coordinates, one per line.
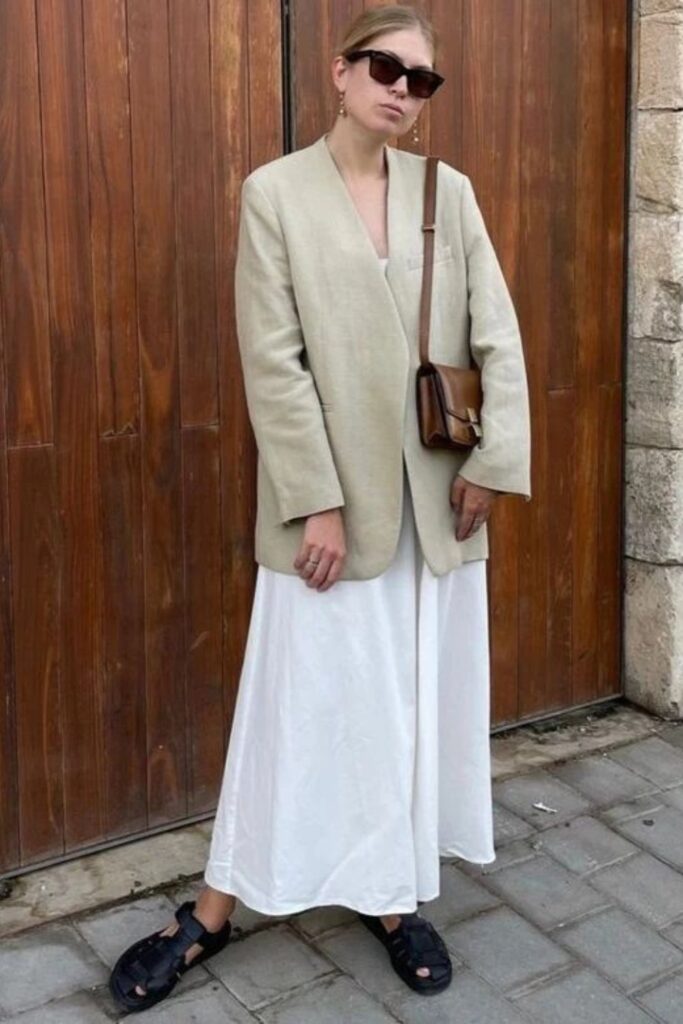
(474, 422)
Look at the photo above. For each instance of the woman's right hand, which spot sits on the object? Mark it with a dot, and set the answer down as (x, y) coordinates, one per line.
(324, 542)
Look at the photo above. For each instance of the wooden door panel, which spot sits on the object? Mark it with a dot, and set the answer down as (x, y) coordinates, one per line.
(534, 111)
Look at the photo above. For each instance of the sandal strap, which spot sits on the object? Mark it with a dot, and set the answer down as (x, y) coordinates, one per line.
(164, 955)
(416, 943)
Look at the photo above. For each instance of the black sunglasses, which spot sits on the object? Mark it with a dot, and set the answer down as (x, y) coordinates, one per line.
(386, 69)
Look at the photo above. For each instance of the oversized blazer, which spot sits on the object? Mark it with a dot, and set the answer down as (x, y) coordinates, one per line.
(329, 350)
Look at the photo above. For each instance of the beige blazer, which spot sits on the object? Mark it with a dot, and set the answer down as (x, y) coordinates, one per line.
(329, 351)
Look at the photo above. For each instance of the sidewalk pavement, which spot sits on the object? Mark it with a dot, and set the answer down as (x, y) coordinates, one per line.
(578, 921)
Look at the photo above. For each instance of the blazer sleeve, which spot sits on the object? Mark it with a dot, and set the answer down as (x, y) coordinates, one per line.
(501, 459)
(282, 399)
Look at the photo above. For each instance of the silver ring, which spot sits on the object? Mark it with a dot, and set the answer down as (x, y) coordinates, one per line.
(312, 561)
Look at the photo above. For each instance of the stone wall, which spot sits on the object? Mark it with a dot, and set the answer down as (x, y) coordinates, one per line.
(654, 381)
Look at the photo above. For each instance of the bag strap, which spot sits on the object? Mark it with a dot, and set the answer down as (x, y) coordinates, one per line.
(429, 230)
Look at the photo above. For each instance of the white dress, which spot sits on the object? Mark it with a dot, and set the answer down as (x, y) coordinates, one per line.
(360, 745)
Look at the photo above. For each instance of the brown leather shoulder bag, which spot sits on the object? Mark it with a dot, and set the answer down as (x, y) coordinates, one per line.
(449, 398)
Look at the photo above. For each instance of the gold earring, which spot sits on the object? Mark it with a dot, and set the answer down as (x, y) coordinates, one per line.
(342, 108)
(416, 137)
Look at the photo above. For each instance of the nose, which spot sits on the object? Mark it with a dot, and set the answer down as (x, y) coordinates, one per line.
(400, 85)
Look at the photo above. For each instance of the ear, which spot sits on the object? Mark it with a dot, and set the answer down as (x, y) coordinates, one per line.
(339, 69)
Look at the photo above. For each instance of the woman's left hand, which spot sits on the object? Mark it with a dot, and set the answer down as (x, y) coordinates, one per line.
(472, 504)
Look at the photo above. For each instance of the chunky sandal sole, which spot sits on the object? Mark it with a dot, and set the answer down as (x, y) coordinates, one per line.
(437, 953)
(135, 1003)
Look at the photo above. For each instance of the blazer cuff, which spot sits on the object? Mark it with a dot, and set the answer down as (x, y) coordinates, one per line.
(497, 480)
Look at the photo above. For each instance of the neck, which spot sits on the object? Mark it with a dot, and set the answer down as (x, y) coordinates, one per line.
(357, 153)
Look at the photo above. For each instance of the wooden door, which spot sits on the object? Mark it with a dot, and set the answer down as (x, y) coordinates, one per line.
(127, 481)
(534, 111)
(127, 463)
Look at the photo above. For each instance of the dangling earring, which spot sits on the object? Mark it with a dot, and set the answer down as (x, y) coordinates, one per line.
(416, 137)
(342, 108)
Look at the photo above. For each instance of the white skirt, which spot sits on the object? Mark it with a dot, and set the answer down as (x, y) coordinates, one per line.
(360, 745)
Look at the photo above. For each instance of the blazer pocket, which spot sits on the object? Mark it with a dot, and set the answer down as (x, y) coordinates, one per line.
(441, 254)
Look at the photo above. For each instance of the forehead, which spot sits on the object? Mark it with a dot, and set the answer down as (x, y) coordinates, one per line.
(407, 45)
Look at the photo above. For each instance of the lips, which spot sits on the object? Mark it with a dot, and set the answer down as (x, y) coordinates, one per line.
(390, 106)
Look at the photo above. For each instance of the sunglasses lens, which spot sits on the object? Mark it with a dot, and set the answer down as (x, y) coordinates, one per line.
(385, 69)
(422, 84)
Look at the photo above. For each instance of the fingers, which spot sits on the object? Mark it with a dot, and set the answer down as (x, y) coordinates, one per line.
(319, 567)
(472, 515)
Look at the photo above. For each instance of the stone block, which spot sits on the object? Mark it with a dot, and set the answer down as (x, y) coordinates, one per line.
(522, 793)
(585, 845)
(505, 949)
(601, 780)
(661, 61)
(653, 637)
(581, 998)
(653, 759)
(647, 888)
(266, 965)
(657, 266)
(44, 964)
(659, 158)
(621, 948)
(654, 395)
(544, 892)
(654, 504)
(329, 1002)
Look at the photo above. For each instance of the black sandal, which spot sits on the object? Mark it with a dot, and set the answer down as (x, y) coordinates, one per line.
(413, 944)
(157, 962)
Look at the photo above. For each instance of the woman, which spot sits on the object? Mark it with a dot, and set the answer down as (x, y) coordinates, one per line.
(359, 751)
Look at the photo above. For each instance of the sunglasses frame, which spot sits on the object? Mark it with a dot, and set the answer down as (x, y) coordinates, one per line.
(410, 73)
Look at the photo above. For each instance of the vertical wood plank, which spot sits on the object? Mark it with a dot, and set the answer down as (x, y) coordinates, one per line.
(563, 452)
(589, 285)
(23, 271)
(9, 783)
(111, 197)
(195, 269)
(123, 642)
(60, 45)
(564, 130)
(610, 570)
(160, 410)
(534, 302)
(36, 568)
(203, 617)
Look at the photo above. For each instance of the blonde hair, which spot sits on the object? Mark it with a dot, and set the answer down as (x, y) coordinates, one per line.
(389, 18)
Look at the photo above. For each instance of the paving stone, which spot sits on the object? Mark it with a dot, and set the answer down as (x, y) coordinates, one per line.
(673, 734)
(357, 952)
(623, 949)
(649, 889)
(467, 1000)
(519, 794)
(508, 826)
(511, 853)
(601, 780)
(331, 1001)
(321, 919)
(505, 949)
(460, 896)
(581, 998)
(545, 892)
(642, 806)
(585, 844)
(110, 931)
(267, 964)
(652, 758)
(66, 964)
(673, 797)
(207, 1004)
(76, 1009)
(666, 1000)
(660, 832)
